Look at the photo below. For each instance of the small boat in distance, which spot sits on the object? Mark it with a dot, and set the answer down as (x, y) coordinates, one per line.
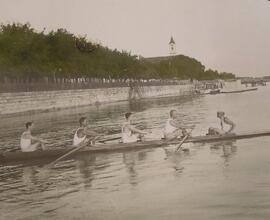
(208, 91)
(218, 91)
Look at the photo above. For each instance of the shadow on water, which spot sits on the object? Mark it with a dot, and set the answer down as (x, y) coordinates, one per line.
(130, 160)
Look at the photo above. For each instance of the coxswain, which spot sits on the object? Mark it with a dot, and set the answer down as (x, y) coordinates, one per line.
(223, 120)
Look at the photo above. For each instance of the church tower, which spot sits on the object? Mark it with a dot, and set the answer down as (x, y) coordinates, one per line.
(172, 47)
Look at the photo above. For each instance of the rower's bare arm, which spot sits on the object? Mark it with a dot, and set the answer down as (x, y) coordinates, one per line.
(188, 126)
(231, 123)
(221, 125)
(232, 128)
(179, 126)
(37, 139)
(90, 132)
(135, 130)
(175, 124)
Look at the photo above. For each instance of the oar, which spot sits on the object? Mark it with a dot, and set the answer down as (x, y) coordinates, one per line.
(100, 141)
(109, 139)
(66, 155)
(77, 149)
(180, 144)
(183, 140)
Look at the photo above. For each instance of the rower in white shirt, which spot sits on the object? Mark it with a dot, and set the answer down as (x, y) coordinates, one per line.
(174, 129)
(83, 134)
(130, 134)
(28, 142)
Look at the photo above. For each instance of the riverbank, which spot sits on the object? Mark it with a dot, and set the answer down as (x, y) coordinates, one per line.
(21, 102)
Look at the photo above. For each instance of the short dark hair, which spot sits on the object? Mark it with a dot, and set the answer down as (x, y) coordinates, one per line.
(171, 112)
(28, 124)
(82, 119)
(127, 115)
(219, 113)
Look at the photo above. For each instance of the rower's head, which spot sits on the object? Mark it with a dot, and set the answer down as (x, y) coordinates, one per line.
(173, 113)
(83, 121)
(128, 115)
(29, 125)
(220, 114)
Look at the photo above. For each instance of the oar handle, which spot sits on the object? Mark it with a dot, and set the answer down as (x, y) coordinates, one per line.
(109, 139)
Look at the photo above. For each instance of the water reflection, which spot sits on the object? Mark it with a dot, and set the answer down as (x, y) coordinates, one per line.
(129, 160)
(227, 149)
(144, 104)
(176, 158)
(86, 165)
(29, 176)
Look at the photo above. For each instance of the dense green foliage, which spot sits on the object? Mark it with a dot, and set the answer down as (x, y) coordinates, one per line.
(26, 54)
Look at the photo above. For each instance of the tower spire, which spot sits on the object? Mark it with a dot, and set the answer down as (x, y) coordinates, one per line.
(172, 47)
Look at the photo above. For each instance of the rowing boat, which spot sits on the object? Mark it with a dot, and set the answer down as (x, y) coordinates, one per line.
(105, 147)
(240, 91)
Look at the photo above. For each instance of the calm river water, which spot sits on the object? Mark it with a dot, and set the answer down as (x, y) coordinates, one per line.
(225, 180)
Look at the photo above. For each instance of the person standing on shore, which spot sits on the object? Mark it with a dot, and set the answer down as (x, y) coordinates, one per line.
(30, 143)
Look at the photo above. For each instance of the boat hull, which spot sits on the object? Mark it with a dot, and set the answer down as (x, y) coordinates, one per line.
(36, 155)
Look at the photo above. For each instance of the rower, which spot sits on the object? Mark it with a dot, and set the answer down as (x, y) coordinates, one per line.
(83, 135)
(173, 129)
(223, 120)
(30, 143)
(130, 134)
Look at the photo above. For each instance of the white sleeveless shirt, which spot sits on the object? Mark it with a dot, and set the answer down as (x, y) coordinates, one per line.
(168, 127)
(77, 140)
(127, 136)
(25, 144)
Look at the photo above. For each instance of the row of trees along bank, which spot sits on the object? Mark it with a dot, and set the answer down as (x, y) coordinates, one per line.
(32, 60)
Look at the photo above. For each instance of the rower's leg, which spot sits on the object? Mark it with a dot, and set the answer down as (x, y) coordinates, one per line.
(211, 131)
(215, 131)
(36, 146)
(174, 135)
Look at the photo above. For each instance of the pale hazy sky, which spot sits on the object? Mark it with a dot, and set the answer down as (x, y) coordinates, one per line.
(227, 35)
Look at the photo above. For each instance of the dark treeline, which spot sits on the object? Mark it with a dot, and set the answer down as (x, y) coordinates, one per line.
(28, 56)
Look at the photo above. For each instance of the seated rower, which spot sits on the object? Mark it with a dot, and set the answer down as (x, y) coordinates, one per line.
(223, 120)
(83, 135)
(30, 143)
(173, 129)
(130, 134)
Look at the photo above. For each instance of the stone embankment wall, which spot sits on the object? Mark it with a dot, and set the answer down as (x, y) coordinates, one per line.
(11, 103)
